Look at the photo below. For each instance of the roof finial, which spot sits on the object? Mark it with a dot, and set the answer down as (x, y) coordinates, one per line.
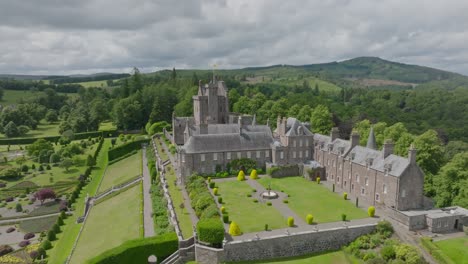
(254, 120)
(268, 122)
(371, 139)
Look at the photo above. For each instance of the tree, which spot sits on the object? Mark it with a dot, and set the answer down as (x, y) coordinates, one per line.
(39, 145)
(90, 162)
(174, 74)
(11, 130)
(321, 120)
(24, 168)
(452, 182)
(430, 154)
(304, 113)
(23, 130)
(51, 116)
(294, 111)
(19, 208)
(54, 158)
(66, 164)
(45, 194)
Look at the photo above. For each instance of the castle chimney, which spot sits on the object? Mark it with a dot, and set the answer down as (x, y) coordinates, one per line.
(239, 123)
(254, 120)
(200, 88)
(412, 154)
(186, 131)
(278, 124)
(334, 134)
(387, 148)
(354, 139)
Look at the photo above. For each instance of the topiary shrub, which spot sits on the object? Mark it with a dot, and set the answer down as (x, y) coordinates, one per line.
(317, 180)
(371, 211)
(254, 190)
(310, 219)
(226, 218)
(46, 244)
(211, 231)
(249, 195)
(24, 243)
(285, 201)
(345, 196)
(343, 217)
(29, 236)
(223, 209)
(60, 221)
(56, 228)
(266, 227)
(215, 191)
(241, 176)
(51, 235)
(255, 200)
(10, 229)
(234, 229)
(220, 200)
(290, 221)
(253, 174)
(268, 203)
(212, 185)
(5, 249)
(209, 179)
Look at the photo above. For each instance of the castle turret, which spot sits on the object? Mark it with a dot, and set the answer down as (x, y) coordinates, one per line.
(371, 140)
(187, 133)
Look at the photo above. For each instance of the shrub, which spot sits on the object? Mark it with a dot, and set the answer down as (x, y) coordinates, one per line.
(310, 219)
(317, 180)
(388, 253)
(34, 254)
(10, 229)
(290, 221)
(48, 167)
(376, 260)
(371, 211)
(56, 228)
(254, 190)
(226, 218)
(343, 217)
(220, 200)
(210, 212)
(384, 228)
(253, 174)
(241, 176)
(285, 201)
(268, 203)
(5, 249)
(60, 221)
(266, 227)
(24, 243)
(211, 231)
(215, 191)
(345, 196)
(46, 244)
(19, 208)
(255, 200)
(369, 255)
(223, 209)
(51, 235)
(249, 195)
(212, 185)
(29, 235)
(234, 229)
(9, 199)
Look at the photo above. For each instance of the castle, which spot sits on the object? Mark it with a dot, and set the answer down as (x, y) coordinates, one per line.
(213, 137)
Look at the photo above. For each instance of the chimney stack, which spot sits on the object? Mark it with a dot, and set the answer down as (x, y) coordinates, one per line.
(387, 148)
(412, 154)
(355, 137)
(334, 134)
(239, 123)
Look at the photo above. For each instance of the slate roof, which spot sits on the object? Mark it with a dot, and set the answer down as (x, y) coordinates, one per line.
(292, 128)
(362, 155)
(340, 144)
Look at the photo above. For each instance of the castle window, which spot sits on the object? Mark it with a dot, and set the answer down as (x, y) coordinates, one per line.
(307, 142)
(352, 186)
(228, 155)
(333, 163)
(300, 142)
(281, 155)
(215, 156)
(249, 155)
(403, 193)
(349, 174)
(377, 197)
(344, 183)
(366, 181)
(384, 189)
(328, 162)
(258, 154)
(357, 177)
(267, 154)
(306, 153)
(202, 157)
(239, 155)
(183, 157)
(300, 154)
(294, 154)
(338, 179)
(363, 191)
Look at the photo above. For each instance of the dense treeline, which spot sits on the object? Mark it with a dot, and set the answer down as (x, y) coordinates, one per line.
(102, 77)
(38, 86)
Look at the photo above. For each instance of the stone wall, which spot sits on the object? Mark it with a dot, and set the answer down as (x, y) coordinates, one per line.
(283, 245)
(417, 222)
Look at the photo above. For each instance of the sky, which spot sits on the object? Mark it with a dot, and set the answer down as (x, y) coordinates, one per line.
(89, 36)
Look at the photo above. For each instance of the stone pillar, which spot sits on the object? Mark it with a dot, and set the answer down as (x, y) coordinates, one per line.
(152, 259)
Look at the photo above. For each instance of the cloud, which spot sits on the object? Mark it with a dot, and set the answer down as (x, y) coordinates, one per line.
(67, 37)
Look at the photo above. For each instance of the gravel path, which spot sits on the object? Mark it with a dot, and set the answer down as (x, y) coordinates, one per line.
(147, 203)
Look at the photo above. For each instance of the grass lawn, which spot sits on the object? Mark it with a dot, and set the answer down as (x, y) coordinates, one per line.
(121, 171)
(44, 129)
(93, 84)
(335, 257)
(109, 224)
(456, 249)
(308, 197)
(107, 126)
(62, 247)
(14, 97)
(38, 225)
(250, 216)
(185, 222)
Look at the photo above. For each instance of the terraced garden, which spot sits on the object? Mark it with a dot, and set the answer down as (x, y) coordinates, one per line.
(121, 172)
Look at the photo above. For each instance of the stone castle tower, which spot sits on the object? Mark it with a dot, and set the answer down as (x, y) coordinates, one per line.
(211, 105)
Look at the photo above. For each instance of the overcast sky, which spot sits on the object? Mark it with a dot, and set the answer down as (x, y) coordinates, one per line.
(86, 36)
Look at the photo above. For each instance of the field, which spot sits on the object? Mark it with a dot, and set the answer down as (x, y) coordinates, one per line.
(44, 129)
(109, 224)
(455, 249)
(61, 248)
(121, 171)
(250, 216)
(335, 257)
(93, 84)
(307, 197)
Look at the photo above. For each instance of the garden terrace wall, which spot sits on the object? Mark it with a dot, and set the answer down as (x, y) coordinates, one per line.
(122, 150)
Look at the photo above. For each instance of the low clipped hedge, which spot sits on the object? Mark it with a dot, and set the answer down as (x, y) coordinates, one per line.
(124, 149)
(77, 136)
(138, 250)
(211, 231)
(435, 251)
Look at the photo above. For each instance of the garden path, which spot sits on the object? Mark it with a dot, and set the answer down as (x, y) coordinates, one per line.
(147, 202)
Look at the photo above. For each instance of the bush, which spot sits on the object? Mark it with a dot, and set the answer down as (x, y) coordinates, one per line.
(241, 176)
(5, 249)
(226, 218)
(212, 185)
(234, 229)
(9, 199)
(285, 201)
(268, 203)
(138, 250)
(266, 227)
(24, 243)
(371, 211)
(211, 231)
(56, 228)
(34, 254)
(46, 244)
(223, 209)
(345, 196)
(384, 228)
(19, 208)
(291, 221)
(255, 200)
(317, 180)
(220, 200)
(343, 217)
(249, 195)
(310, 219)
(10, 229)
(51, 235)
(387, 253)
(253, 174)
(209, 179)
(29, 235)
(60, 221)
(215, 191)
(210, 212)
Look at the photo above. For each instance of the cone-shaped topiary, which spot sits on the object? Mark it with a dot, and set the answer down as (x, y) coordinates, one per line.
(209, 179)
(290, 221)
(241, 176)
(318, 180)
(215, 191)
(234, 229)
(371, 211)
(309, 219)
(253, 174)
(223, 209)
(345, 196)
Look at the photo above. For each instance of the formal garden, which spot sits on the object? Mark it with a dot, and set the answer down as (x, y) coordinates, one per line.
(121, 171)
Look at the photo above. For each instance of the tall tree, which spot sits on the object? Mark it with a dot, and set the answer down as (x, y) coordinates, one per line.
(452, 182)
(321, 120)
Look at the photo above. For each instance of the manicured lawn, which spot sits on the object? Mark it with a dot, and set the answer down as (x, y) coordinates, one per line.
(38, 225)
(456, 249)
(335, 257)
(109, 224)
(107, 126)
(121, 171)
(185, 222)
(308, 197)
(250, 216)
(62, 247)
(44, 129)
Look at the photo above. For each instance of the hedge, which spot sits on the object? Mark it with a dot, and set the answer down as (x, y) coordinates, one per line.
(122, 150)
(77, 136)
(211, 231)
(435, 251)
(138, 250)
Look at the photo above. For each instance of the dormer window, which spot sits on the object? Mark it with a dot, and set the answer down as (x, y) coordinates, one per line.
(369, 162)
(387, 168)
(353, 155)
(330, 147)
(341, 150)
